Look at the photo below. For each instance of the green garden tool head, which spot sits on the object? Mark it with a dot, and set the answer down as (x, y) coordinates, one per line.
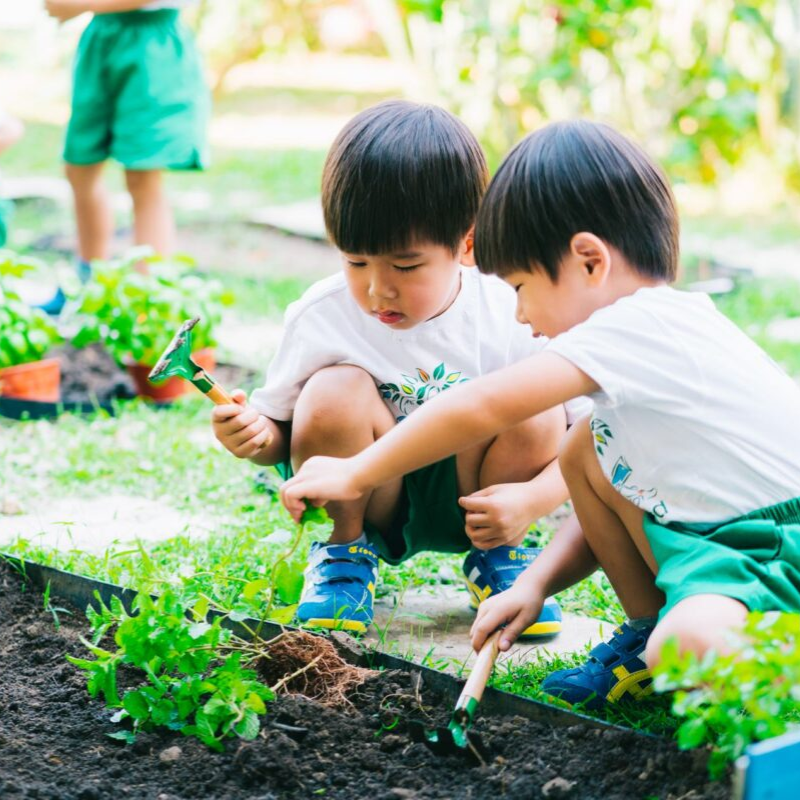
(176, 360)
(455, 739)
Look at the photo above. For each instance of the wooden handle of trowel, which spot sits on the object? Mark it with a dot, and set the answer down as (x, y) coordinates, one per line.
(219, 395)
(477, 680)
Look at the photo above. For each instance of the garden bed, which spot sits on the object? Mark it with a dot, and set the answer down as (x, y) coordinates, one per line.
(54, 743)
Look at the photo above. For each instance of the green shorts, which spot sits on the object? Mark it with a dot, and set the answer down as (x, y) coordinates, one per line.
(428, 518)
(754, 559)
(139, 95)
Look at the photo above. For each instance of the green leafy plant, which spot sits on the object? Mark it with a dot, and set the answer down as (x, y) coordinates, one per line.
(26, 333)
(730, 701)
(195, 675)
(135, 315)
(195, 681)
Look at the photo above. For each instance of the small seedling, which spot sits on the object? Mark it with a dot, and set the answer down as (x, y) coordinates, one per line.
(54, 610)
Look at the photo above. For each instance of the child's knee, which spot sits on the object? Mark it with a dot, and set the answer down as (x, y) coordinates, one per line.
(697, 624)
(332, 399)
(141, 182)
(573, 449)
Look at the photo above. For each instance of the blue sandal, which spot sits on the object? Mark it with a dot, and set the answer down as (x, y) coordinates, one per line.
(339, 587)
(615, 672)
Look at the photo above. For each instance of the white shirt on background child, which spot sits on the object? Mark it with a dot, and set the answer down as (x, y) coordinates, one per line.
(693, 421)
(475, 335)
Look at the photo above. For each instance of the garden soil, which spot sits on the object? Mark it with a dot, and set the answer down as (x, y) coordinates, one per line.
(53, 742)
(89, 374)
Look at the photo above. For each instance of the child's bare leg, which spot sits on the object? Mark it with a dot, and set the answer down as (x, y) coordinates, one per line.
(339, 413)
(515, 456)
(611, 525)
(93, 213)
(153, 221)
(700, 623)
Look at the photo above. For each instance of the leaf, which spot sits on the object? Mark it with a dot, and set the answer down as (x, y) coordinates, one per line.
(199, 629)
(288, 578)
(316, 514)
(247, 728)
(136, 705)
(692, 733)
(283, 616)
(254, 588)
(438, 372)
(129, 737)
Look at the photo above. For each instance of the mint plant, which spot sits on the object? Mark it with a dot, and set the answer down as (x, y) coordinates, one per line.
(730, 701)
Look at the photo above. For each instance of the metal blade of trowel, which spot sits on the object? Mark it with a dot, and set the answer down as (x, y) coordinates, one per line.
(457, 737)
(176, 362)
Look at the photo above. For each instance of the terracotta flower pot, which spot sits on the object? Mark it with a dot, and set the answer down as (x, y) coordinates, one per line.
(172, 388)
(36, 380)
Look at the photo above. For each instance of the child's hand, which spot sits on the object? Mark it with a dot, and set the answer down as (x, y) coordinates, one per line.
(497, 515)
(516, 608)
(63, 10)
(240, 428)
(319, 480)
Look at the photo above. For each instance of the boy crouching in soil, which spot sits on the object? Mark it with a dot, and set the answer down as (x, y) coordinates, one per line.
(685, 478)
(404, 321)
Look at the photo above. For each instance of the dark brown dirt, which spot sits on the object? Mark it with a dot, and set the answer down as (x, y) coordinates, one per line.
(90, 375)
(53, 743)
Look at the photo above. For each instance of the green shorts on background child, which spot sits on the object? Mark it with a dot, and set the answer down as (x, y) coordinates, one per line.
(139, 96)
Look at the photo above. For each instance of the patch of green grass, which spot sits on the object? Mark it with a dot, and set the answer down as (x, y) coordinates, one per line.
(525, 679)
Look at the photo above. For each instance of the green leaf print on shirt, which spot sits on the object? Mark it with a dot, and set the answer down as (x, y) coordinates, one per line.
(413, 390)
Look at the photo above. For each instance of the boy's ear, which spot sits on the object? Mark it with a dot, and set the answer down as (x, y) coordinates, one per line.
(467, 249)
(593, 256)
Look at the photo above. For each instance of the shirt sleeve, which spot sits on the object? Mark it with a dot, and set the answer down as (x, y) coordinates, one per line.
(307, 346)
(627, 351)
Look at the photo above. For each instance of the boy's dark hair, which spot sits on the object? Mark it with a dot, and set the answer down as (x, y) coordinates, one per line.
(571, 177)
(402, 172)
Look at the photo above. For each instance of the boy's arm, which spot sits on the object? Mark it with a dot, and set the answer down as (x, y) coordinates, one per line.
(472, 413)
(67, 9)
(566, 560)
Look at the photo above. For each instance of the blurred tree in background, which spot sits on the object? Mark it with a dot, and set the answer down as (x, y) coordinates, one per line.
(706, 83)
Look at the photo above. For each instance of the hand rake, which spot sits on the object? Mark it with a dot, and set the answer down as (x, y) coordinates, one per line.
(176, 361)
(457, 738)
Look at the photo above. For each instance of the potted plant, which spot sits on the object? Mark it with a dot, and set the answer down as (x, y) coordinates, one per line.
(135, 315)
(26, 334)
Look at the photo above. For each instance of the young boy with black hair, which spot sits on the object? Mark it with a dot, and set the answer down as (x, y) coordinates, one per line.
(685, 478)
(404, 321)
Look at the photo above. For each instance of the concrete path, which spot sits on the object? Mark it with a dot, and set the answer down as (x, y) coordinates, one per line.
(432, 624)
(429, 623)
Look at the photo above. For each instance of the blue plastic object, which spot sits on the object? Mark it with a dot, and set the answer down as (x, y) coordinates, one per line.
(769, 770)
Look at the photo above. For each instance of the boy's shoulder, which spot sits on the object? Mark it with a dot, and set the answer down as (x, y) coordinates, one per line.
(327, 297)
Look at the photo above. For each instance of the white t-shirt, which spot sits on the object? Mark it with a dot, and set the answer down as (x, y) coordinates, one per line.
(475, 335)
(693, 421)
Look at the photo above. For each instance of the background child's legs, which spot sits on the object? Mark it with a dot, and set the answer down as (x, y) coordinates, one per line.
(611, 525)
(514, 456)
(93, 212)
(339, 413)
(699, 623)
(153, 222)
